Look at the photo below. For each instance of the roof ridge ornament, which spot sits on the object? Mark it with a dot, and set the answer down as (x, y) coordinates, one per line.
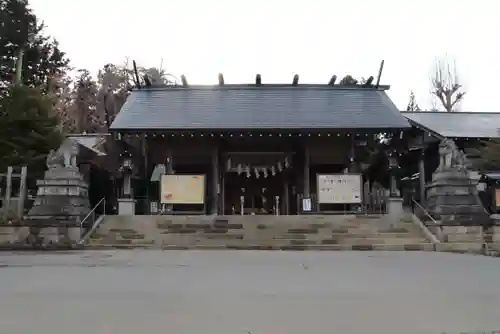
(184, 81)
(332, 80)
(258, 80)
(379, 73)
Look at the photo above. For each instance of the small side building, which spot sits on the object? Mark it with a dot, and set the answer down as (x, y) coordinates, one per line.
(466, 129)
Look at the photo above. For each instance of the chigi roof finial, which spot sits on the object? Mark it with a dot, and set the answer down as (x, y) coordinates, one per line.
(258, 80)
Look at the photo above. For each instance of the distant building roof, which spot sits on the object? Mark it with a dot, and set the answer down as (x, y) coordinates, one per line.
(92, 141)
(258, 107)
(457, 124)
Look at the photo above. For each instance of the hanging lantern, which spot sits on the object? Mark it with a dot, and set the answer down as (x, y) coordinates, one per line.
(264, 171)
(239, 169)
(228, 164)
(286, 163)
(273, 171)
(247, 171)
(280, 166)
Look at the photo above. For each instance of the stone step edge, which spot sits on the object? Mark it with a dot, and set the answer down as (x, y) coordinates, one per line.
(381, 247)
(345, 235)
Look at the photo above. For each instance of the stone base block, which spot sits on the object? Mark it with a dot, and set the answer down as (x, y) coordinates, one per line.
(13, 234)
(395, 210)
(59, 235)
(464, 247)
(454, 234)
(126, 206)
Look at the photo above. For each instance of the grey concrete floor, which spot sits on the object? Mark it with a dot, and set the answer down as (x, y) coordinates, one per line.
(248, 292)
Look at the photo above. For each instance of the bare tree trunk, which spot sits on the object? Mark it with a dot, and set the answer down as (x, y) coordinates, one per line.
(446, 84)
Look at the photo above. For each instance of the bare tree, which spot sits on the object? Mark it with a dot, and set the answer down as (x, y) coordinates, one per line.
(85, 103)
(446, 84)
(60, 90)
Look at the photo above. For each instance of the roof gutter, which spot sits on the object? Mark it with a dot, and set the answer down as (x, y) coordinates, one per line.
(424, 128)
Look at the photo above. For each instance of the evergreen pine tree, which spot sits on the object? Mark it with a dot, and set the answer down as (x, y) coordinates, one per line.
(21, 30)
(412, 103)
(28, 128)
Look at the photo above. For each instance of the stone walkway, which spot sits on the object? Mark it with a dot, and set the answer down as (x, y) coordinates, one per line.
(224, 292)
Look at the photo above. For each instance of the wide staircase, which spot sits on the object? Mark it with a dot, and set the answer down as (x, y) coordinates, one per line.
(305, 232)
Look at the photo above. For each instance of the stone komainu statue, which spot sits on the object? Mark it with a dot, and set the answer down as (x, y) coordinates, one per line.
(451, 156)
(452, 197)
(64, 156)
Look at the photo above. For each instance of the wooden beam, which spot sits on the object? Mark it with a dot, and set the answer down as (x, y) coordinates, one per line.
(13, 174)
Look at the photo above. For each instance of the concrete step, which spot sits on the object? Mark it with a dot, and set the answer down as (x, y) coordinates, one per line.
(262, 231)
(259, 237)
(379, 247)
(374, 240)
(252, 242)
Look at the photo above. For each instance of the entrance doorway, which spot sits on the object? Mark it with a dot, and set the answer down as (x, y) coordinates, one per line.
(253, 196)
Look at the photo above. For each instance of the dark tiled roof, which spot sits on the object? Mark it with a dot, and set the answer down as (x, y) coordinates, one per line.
(458, 124)
(264, 107)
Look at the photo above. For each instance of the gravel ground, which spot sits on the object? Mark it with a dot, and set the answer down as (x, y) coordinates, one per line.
(242, 292)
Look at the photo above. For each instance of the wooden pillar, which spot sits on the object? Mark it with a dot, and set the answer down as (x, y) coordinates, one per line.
(352, 156)
(145, 152)
(421, 176)
(169, 166)
(307, 173)
(286, 199)
(223, 192)
(215, 182)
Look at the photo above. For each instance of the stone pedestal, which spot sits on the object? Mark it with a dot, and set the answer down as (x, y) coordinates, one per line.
(60, 207)
(395, 209)
(126, 206)
(452, 198)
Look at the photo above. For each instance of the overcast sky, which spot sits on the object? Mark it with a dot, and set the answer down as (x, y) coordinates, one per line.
(278, 38)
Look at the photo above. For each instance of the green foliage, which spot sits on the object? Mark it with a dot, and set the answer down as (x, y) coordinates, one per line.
(28, 128)
(486, 155)
(20, 29)
(348, 80)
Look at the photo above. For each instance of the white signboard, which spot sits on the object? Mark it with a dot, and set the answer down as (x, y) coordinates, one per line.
(182, 189)
(339, 188)
(306, 204)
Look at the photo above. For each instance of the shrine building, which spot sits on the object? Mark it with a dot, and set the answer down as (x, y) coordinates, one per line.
(226, 149)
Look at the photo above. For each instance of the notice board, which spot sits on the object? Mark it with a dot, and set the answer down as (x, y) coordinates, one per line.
(182, 189)
(339, 188)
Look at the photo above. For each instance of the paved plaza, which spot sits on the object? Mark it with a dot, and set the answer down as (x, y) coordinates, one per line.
(238, 292)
